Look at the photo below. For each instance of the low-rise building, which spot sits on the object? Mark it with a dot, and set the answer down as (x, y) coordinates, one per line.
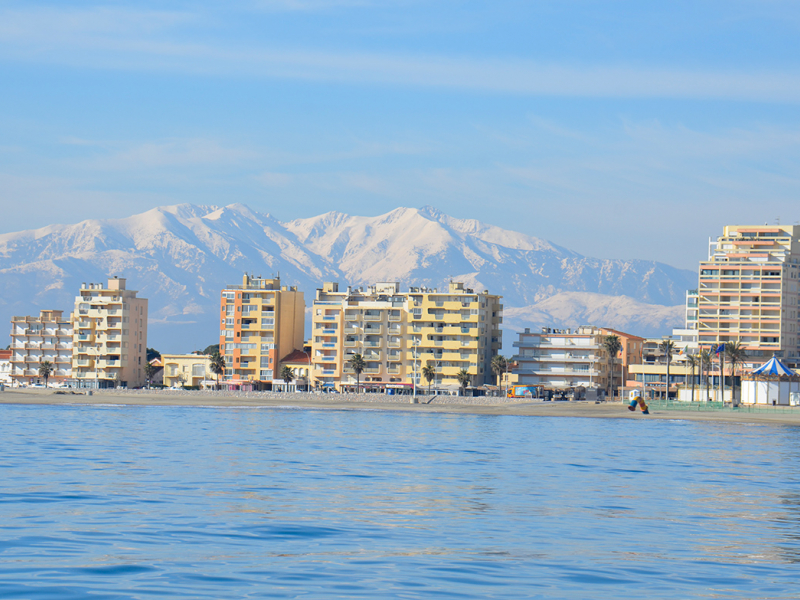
(299, 361)
(5, 367)
(187, 370)
(35, 340)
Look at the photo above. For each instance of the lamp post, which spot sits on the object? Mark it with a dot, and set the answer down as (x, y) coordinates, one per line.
(308, 372)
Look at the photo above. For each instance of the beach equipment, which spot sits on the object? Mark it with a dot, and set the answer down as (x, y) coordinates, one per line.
(636, 398)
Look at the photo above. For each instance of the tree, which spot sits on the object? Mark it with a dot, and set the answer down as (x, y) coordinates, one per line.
(149, 370)
(287, 374)
(152, 353)
(358, 365)
(210, 350)
(429, 373)
(464, 379)
(694, 362)
(667, 347)
(612, 346)
(735, 353)
(45, 369)
(217, 365)
(705, 365)
(499, 366)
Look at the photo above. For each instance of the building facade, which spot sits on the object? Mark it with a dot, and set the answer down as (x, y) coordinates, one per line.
(186, 370)
(748, 292)
(109, 347)
(561, 359)
(399, 333)
(260, 322)
(34, 340)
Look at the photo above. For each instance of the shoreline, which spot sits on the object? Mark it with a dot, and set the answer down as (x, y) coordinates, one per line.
(438, 404)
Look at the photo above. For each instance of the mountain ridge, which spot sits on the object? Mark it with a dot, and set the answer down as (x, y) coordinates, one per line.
(180, 256)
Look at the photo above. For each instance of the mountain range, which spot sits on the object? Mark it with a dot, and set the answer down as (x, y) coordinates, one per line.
(180, 257)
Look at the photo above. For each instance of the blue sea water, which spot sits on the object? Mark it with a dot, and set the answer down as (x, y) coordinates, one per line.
(166, 502)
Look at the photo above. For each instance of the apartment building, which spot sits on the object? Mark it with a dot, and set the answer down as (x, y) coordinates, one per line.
(34, 340)
(398, 333)
(748, 292)
(260, 323)
(109, 347)
(186, 370)
(560, 359)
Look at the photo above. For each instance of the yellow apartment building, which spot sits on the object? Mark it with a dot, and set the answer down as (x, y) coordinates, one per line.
(260, 323)
(35, 340)
(398, 333)
(748, 292)
(109, 344)
(184, 370)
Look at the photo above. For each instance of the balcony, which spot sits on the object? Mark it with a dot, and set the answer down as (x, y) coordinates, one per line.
(372, 344)
(372, 317)
(329, 318)
(373, 330)
(352, 317)
(372, 370)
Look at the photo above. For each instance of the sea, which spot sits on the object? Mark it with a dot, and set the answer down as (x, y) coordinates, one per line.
(123, 502)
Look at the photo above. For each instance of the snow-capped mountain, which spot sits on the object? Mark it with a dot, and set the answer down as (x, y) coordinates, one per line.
(179, 257)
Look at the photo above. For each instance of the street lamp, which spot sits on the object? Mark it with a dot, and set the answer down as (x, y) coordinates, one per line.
(308, 371)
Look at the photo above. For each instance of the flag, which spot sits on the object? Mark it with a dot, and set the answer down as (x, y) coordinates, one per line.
(720, 348)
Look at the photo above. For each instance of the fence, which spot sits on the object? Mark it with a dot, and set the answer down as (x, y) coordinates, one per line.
(662, 404)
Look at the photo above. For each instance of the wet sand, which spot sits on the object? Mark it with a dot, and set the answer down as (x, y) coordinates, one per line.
(436, 404)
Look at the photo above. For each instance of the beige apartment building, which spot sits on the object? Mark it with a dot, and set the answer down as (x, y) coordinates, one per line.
(109, 347)
(748, 292)
(35, 340)
(398, 333)
(260, 323)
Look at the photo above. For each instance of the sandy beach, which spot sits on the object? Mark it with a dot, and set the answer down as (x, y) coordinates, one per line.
(436, 404)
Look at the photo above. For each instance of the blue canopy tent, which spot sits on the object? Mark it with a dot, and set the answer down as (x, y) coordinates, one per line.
(774, 367)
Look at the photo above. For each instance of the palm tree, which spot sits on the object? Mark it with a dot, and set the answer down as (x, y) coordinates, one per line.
(217, 365)
(735, 353)
(612, 346)
(150, 370)
(45, 368)
(464, 379)
(429, 373)
(705, 365)
(358, 365)
(694, 362)
(499, 366)
(667, 347)
(287, 375)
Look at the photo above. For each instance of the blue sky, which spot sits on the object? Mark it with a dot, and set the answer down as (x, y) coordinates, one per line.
(617, 129)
